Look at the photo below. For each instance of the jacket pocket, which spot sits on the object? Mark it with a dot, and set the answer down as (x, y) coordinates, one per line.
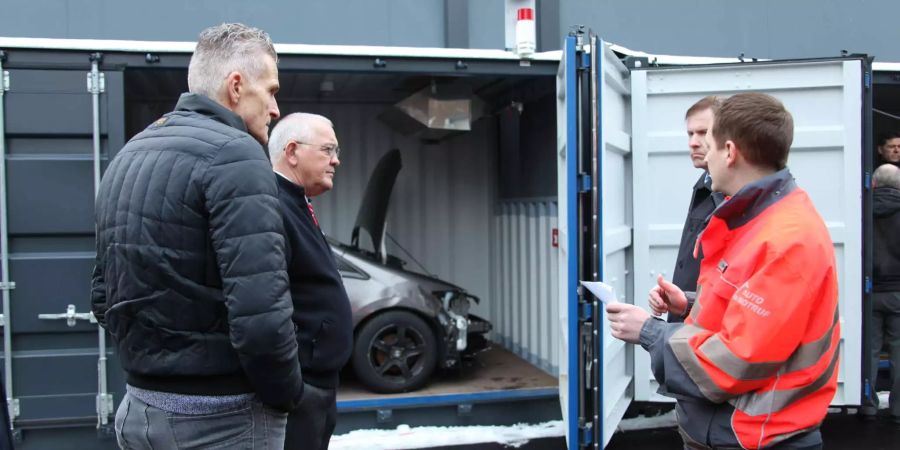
(320, 338)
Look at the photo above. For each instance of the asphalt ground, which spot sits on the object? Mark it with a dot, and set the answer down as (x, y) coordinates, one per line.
(839, 431)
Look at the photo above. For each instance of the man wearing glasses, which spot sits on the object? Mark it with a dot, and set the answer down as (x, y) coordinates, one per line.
(304, 152)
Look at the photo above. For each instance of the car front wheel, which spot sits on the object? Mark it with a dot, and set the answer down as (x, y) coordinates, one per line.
(394, 352)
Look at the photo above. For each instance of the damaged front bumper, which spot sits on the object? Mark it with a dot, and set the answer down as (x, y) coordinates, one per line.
(463, 333)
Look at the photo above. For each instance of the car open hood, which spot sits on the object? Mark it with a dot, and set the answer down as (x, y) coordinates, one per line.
(373, 209)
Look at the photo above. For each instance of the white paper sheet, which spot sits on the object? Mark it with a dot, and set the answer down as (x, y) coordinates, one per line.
(601, 290)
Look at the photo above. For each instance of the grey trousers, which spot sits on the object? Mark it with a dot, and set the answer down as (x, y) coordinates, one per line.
(252, 426)
(886, 330)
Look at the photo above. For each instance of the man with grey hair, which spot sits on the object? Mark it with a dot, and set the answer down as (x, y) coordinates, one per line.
(886, 285)
(304, 152)
(190, 273)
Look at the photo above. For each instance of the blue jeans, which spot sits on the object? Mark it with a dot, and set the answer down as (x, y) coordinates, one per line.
(251, 426)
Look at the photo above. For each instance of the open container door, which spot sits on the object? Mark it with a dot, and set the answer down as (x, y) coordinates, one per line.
(827, 100)
(593, 163)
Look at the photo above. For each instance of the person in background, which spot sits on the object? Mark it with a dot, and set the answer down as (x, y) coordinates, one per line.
(698, 119)
(886, 281)
(305, 152)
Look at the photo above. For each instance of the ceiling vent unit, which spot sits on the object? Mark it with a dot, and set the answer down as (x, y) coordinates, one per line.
(436, 112)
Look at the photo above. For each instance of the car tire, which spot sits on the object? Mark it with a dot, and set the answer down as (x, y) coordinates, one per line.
(395, 351)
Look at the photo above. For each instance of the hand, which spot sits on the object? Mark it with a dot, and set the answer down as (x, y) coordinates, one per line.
(626, 321)
(666, 297)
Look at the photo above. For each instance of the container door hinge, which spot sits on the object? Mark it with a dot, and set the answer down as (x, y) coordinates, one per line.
(587, 312)
(585, 61)
(587, 434)
(585, 183)
(96, 82)
(13, 407)
(4, 81)
(105, 405)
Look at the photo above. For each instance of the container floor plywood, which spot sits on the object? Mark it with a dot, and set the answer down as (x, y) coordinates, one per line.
(496, 369)
(497, 388)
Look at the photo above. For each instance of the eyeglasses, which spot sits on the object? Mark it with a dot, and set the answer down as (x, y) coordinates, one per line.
(333, 151)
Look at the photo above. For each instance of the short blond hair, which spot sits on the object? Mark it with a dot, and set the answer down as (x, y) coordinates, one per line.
(226, 48)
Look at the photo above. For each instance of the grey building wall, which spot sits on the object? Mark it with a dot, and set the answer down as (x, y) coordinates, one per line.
(761, 28)
(349, 22)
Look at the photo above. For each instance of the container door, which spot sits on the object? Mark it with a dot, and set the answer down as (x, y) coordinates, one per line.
(593, 165)
(57, 353)
(826, 98)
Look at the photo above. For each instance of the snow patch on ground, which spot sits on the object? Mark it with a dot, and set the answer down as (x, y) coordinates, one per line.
(514, 436)
(406, 437)
(648, 423)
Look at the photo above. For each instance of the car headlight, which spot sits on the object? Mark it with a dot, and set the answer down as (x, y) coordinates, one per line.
(457, 302)
(460, 305)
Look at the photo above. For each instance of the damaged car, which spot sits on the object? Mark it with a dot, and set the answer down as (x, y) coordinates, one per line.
(406, 324)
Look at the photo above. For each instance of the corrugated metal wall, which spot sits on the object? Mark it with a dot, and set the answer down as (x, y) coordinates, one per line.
(525, 263)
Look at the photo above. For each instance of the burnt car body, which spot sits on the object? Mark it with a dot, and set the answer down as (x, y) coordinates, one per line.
(406, 324)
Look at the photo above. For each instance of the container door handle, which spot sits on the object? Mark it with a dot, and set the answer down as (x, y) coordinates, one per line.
(70, 316)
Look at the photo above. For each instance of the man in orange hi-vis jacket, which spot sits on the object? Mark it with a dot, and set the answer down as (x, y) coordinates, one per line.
(755, 364)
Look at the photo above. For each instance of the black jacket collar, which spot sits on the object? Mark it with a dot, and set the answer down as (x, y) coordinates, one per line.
(206, 106)
(754, 198)
(291, 187)
(704, 182)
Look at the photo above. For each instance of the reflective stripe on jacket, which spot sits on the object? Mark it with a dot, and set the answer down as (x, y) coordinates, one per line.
(763, 333)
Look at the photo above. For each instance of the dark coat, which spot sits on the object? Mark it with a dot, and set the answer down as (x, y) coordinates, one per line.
(321, 307)
(190, 274)
(687, 268)
(886, 261)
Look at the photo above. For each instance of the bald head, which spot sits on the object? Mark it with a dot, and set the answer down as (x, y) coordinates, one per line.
(887, 175)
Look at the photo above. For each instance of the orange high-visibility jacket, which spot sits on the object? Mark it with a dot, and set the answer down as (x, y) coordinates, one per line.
(756, 362)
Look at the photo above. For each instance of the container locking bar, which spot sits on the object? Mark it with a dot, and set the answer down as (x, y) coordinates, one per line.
(96, 84)
(5, 284)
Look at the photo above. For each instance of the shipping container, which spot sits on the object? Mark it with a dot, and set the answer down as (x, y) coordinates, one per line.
(573, 167)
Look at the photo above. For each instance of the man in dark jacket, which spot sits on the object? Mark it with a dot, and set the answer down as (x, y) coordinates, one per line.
(698, 119)
(886, 271)
(304, 152)
(190, 274)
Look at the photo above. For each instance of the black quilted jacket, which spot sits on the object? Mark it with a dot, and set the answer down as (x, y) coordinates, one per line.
(190, 277)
